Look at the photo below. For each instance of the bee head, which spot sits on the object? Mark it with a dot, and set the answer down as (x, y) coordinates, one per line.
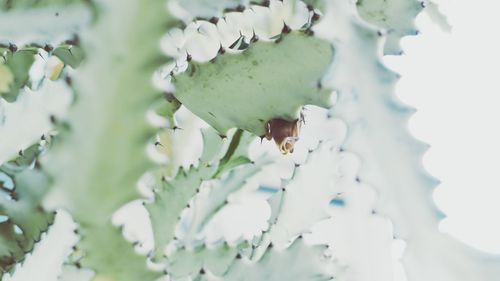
(285, 133)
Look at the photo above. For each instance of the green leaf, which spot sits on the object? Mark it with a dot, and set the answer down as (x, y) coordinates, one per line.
(170, 200)
(6, 78)
(26, 218)
(397, 17)
(69, 54)
(113, 258)
(101, 160)
(165, 109)
(306, 197)
(19, 64)
(236, 153)
(207, 205)
(172, 196)
(215, 258)
(108, 123)
(26, 159)
(268, 80)
(298, 262)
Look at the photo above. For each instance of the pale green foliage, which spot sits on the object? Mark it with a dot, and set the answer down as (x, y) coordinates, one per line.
(15, 65)
(377, 123)
(165, 109)
(106, 111)
(278, 78)
(7, 77)
(17, 60)
(227, 261)
(23, 218)
(111, 256)
(396, 17)
(69, 54)
(25, 215)
(28, 4)
(96, 166)
(173, 196)
(298, 262)
(109, 127)
(216, 259)
(322, 166)
(207, 205)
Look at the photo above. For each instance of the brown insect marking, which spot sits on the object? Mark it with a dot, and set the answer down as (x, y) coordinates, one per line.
(285, 133)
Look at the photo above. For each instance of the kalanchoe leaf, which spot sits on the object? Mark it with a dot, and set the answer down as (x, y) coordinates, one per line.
(120, 262)
(101, 160)
(15, 65)
(25, 159)
(26, 218)
(382, 116)
(115, 133)
(172, 196)
(214, 258)
(236, 154)
(69, 54)
(10, 251)
(165, 109)
(170, 200)
(391, 157)
(212, 146)
(19, 64)
(207, 205)
(312, 187)
(397, 17)
(278, 78)
(437, 17)
(298, 262)
(6, 78)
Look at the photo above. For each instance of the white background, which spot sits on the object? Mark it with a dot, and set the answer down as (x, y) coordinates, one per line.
(453, 80)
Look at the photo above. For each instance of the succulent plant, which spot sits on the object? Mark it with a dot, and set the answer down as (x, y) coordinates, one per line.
(168, 103)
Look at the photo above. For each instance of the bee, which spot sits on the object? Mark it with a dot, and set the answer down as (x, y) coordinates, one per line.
(285, 133)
